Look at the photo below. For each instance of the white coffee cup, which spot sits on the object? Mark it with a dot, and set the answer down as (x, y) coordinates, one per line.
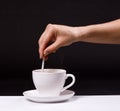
(51, 81)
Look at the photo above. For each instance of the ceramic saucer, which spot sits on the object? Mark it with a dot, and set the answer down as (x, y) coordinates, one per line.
(33, 95)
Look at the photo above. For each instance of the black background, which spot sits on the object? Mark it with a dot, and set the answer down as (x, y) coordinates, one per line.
(96, 66)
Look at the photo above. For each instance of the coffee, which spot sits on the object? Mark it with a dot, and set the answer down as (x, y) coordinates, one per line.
(51, 71)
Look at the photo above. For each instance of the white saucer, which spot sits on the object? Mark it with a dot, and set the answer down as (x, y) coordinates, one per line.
(33, 95)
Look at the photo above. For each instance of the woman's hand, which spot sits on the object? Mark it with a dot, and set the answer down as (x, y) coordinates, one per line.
(54, 37)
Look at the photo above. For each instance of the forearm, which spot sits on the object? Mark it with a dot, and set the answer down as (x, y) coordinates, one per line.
(106, 33)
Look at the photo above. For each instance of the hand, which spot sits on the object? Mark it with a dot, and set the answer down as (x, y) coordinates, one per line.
(54, 37)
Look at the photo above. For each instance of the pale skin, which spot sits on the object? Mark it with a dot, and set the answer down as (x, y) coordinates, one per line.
(57, 36)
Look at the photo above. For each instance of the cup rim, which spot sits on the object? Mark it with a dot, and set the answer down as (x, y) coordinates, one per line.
(39, 70)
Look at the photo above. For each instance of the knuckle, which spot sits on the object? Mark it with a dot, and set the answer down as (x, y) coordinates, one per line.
(50, 28)
(40, 42)
(49, 25)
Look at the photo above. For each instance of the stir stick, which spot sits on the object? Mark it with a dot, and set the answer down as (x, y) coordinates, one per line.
(42, 67)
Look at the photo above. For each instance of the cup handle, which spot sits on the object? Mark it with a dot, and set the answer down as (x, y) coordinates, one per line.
(69, 85)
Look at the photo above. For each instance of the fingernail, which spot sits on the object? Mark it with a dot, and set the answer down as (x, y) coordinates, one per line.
(46, 53)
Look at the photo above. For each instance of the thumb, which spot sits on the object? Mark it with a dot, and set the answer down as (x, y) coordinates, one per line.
(52, 48)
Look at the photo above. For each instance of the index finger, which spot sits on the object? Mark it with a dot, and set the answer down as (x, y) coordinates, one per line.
(44, 42)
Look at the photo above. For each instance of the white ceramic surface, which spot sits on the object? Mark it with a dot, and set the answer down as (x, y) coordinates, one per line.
(51, 81)
(35, 96)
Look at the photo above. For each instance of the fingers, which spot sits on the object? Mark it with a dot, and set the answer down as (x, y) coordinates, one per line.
(40, 45)
(52, 48)
(46, 38)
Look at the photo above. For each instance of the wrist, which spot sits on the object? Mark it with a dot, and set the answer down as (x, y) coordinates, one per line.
(82, 33)
(85, 33)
